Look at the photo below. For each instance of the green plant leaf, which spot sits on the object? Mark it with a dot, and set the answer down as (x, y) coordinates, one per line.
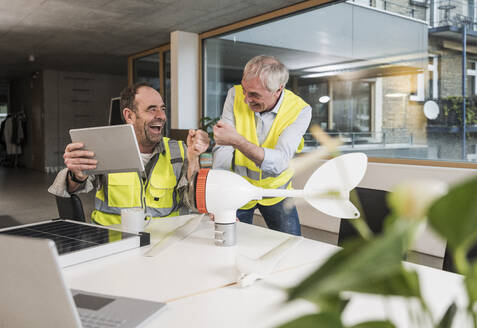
(207, 124)
(374, 324)
(399, 283)
(355, 266)
(448, 317)
(332, 304)
(454, 216)
(471, 283)
(325, 272)
(360, 224)
(323, 319)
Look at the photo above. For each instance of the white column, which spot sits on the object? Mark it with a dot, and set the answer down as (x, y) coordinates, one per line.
(433, 70)
(420, 92)
(184, 80)
(378, 108)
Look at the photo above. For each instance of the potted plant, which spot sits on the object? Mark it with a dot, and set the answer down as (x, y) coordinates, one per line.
(452, 110)
(373, 265)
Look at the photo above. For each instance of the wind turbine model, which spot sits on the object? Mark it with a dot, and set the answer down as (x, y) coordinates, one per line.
(222, 192)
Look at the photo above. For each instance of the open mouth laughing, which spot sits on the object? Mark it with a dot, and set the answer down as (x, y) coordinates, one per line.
(156, 127)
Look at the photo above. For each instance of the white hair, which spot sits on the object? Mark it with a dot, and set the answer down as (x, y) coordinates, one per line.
(270, 70)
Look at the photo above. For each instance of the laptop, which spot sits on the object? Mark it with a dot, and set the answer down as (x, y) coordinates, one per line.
(34, 293)
(115, 147)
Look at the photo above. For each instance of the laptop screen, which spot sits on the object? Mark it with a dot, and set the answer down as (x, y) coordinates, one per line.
(91, 302)
(32, 284)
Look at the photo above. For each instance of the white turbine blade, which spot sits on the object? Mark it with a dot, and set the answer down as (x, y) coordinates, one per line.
(342, 173)
(253, 269)
(273, 256)
(328, 188)
(175, 235)
(340, 208)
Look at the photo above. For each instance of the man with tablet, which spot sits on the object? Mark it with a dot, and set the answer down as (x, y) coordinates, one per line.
(169, 164)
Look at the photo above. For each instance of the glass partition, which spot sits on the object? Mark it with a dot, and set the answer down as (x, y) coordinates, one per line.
(167, 88)
(4, 96)
(146, 69)
(155, 69)
(381, 78)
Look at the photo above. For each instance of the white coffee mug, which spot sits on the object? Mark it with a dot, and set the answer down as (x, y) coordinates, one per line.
(134, 219)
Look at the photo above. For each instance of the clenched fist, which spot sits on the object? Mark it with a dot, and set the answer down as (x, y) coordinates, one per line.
(226, 135)
(197, 142)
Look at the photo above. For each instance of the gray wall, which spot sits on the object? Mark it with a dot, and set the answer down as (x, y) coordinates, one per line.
(385, 176)
(54, 103)
(74, 100)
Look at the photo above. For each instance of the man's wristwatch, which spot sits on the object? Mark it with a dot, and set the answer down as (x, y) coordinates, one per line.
(75, 179)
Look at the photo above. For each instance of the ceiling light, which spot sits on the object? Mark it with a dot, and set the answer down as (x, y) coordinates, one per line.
(31, 58)
(396, 95)
(309, 76)
(324, 99)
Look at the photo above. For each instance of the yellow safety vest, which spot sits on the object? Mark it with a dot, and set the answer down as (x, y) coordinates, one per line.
(288, 112)
(158, 195)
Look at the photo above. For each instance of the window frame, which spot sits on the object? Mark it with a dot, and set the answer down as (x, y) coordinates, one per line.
(266, 18)
(292, 10)
(472, 73)
(160, 51)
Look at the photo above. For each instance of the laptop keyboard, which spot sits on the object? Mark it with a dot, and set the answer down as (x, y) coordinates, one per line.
(94, 321)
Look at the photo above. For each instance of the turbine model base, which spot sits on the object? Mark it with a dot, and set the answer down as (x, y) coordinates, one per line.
(225, 234)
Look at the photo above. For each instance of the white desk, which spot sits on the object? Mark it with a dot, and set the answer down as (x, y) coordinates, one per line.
(196, 279)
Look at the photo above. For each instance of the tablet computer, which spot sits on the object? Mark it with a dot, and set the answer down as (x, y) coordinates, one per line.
(115, 147)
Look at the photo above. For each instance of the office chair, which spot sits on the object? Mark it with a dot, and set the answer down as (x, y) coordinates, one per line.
(70, 208)
(375, 209)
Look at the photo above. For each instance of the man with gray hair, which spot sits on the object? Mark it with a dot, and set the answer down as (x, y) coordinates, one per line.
(261, 128)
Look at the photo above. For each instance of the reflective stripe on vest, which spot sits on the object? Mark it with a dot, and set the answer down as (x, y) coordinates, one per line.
(158, 195)
(288, 112)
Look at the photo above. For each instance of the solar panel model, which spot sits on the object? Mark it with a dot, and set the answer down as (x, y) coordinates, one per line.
(80, 242)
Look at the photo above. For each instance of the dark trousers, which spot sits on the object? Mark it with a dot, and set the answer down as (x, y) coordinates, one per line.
(278, 217)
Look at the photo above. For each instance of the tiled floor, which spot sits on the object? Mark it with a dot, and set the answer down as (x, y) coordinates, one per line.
(24, 199)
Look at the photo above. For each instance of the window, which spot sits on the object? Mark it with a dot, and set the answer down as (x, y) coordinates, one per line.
(316, 93)
(372, 86)
(432, 84)
(154, 67)
(146, 69)
(433, 70)
(422, 3)
(4, 96)
(351, 106)
(471, 81)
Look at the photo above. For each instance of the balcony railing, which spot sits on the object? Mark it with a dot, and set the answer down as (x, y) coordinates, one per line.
(397, 7)
(392, 137)
(436, 13)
